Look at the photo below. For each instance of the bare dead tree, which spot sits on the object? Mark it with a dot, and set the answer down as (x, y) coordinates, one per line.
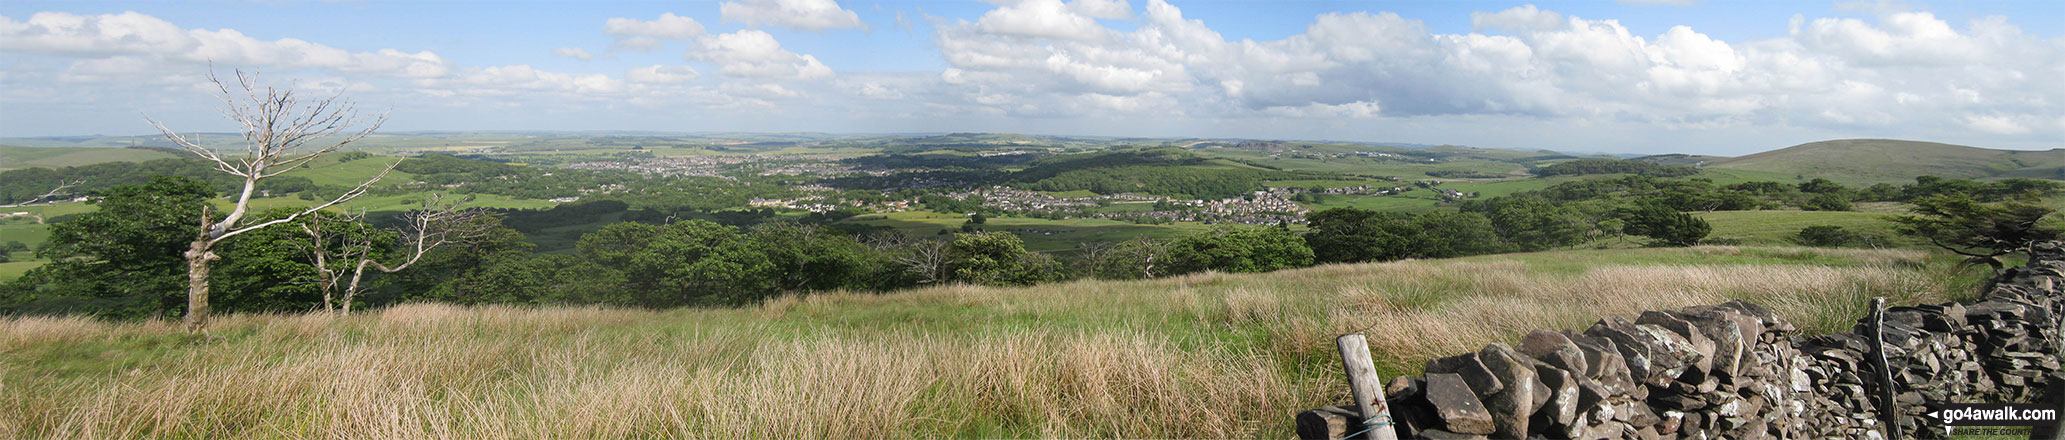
(331, 240)
(48, 196)
(439, 223)
(1147, 252)
(924, 258)
(281, 132)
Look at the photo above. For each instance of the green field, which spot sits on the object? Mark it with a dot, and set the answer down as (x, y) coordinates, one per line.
(1779, 227)
(13, 157)
(1199, 356)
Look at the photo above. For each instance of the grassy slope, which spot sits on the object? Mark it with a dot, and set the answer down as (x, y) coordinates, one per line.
(1779, 227)
(1209, 355)
(1866, 161)
(13, 157)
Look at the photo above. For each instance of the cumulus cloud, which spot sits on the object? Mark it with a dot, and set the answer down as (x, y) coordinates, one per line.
(1041, 19)
(1905, 69)
(635, 34)
(519, 78)
(135, 34)
(657, 74)
(810, 15)
(574, 52)
(1105, 9)
(755, 54)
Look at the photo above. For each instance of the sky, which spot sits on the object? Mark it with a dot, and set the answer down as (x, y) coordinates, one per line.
(1633, 76)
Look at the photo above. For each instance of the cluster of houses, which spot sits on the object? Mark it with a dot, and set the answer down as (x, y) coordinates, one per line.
(1009, 199)
(1452, 195)
(1360, 190)
(1259, 208)
(670, 166)
(818, 203)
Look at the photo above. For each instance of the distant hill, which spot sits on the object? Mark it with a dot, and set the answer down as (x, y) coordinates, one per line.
(1889, 160)
(1690, 160)
(14, 157)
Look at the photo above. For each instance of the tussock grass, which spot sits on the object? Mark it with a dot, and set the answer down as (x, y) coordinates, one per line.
(1202, 356)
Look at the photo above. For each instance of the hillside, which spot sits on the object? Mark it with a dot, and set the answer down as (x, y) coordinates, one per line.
(1199, 356)
(14, 157)
(1866, 161)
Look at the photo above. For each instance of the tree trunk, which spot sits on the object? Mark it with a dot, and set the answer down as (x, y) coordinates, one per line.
(198, 258)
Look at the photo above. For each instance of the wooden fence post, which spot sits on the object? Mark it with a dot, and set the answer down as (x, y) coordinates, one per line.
(1889, 409)
(1369, 392)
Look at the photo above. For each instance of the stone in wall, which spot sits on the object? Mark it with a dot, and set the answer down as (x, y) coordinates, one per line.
(1735, 370)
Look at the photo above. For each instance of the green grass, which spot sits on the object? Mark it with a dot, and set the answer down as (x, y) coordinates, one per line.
(1198, 356)
(13, 157)
(1778, 227)
(328, 172)
(14, 269)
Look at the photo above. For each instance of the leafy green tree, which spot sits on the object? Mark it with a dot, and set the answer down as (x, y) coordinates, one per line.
(811, 257)
(1821, 186)
(1825, 236)
(437, 276)
(1346, 235)
(1454, 234)
(1666, 226)
(266, 270)
(1982, 231)
(122, 260)
(1238, 249)
(996, 258)
(1533, 224)
(1827, 202)
(692, 262)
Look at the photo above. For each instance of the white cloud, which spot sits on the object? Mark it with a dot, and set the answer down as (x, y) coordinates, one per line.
(638, 34)
(1658, 2)
(811, 15)
(1995, 124)
(755, 54)
(135, 34)
(762, 90)
(1105, 9)
(1041, 19)
(878, 91)
(520, 78)
(574, 52)
(657, 74)
(1904, 70)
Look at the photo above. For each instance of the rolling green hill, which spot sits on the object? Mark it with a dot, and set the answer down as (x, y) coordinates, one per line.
(13, 157)
(1866, 161)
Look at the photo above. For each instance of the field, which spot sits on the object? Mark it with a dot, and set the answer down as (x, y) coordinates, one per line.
(1207, 355)
(12, 157)
(1779, 227)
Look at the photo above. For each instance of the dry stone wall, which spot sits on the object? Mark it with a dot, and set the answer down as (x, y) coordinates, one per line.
(1737, 371)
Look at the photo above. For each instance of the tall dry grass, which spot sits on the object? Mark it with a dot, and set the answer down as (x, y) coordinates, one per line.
(1198, 356)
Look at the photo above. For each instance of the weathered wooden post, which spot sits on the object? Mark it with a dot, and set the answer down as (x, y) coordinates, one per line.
(1889, 409)
(1369, 392)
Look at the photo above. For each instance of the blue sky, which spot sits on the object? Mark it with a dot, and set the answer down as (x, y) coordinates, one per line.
(1631, 76)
